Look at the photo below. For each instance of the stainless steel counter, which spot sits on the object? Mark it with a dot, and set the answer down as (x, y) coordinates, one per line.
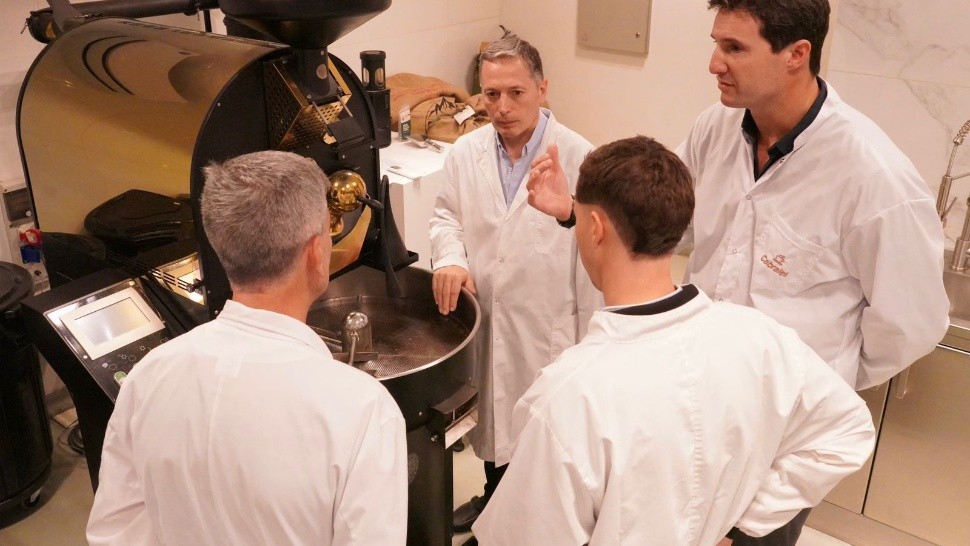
(917, 490)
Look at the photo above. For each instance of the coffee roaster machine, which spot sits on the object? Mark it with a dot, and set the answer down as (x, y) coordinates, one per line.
(117, 118)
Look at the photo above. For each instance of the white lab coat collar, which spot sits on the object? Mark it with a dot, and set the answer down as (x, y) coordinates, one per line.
(270, 323)
(833, 105)
(617, 328)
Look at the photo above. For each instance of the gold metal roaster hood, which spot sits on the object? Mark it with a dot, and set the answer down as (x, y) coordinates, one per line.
(114, 104)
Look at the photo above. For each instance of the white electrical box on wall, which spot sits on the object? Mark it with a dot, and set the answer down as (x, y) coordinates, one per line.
(19, 229)
(621, 25)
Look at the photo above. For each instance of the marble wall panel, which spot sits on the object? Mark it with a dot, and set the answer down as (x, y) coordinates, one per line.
(907, 66)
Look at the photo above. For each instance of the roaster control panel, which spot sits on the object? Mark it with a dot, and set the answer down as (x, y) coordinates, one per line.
(109, 332)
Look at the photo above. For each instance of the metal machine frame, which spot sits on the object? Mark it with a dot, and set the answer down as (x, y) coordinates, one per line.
(190, 98)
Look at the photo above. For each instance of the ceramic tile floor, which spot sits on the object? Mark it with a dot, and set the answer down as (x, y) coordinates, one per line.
(60, 517)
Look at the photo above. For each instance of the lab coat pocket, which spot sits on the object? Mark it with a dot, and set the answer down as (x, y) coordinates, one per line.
(563, 335)
(783, 260)
(549, 238)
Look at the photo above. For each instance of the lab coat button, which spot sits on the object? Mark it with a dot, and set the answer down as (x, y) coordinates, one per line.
(748, 197)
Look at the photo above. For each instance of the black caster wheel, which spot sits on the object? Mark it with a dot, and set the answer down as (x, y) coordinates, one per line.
(458, 446)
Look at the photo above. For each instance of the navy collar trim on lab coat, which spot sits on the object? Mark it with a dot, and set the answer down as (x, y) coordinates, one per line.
(784, 146)
(671, 302)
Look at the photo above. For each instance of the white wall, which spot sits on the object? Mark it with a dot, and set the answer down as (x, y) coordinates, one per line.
(430, 37)
(605, 95)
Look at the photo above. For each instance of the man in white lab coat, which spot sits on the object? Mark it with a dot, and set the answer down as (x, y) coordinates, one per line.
(675, 418)
(805, 208)
(522, 266)
(245, 430)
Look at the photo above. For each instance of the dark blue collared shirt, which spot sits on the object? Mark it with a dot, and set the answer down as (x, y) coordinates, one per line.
(787, 143)
(675, 299)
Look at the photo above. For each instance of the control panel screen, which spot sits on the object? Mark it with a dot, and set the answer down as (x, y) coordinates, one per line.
(107, 320)
(112, 321)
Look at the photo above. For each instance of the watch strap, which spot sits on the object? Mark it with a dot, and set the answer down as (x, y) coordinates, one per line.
(571, 221)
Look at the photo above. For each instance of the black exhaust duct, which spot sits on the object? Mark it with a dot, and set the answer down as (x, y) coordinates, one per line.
(47, 24)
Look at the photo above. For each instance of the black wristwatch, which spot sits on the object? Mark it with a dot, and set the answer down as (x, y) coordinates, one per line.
(571, 221)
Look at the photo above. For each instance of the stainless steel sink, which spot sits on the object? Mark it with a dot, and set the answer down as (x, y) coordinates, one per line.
(958, 290)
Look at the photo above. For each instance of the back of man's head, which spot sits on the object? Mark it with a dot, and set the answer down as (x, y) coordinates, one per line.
(259, 210)
(784, 22)
(644, 189)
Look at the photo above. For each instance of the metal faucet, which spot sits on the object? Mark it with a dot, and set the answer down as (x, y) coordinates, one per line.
(962, 245)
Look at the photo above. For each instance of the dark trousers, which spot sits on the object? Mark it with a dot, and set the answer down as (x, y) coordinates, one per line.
(786, 535)
(493, 475)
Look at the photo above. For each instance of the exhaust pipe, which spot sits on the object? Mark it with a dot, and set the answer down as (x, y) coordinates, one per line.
(47, 24)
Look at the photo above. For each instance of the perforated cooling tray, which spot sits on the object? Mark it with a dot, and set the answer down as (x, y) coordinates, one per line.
(407, 333)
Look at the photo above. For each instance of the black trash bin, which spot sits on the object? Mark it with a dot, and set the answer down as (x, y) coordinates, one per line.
(25, 435)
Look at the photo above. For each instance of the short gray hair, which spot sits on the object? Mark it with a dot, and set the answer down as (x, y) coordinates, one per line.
(259, 210)
(512, 46)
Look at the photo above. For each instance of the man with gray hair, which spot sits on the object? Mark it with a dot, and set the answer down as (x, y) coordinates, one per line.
(524, 268)
(245, 430)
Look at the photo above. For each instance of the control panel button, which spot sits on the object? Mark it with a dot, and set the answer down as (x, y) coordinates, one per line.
(120, 377)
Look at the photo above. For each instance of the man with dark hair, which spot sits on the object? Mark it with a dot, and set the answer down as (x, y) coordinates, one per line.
(675, 418)
(826, 226)
(246, 430)
(535, 297)
(784, 22)
(806, 210)
(818, 190)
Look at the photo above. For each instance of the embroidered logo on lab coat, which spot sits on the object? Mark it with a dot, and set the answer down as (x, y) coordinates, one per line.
(775, 264)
